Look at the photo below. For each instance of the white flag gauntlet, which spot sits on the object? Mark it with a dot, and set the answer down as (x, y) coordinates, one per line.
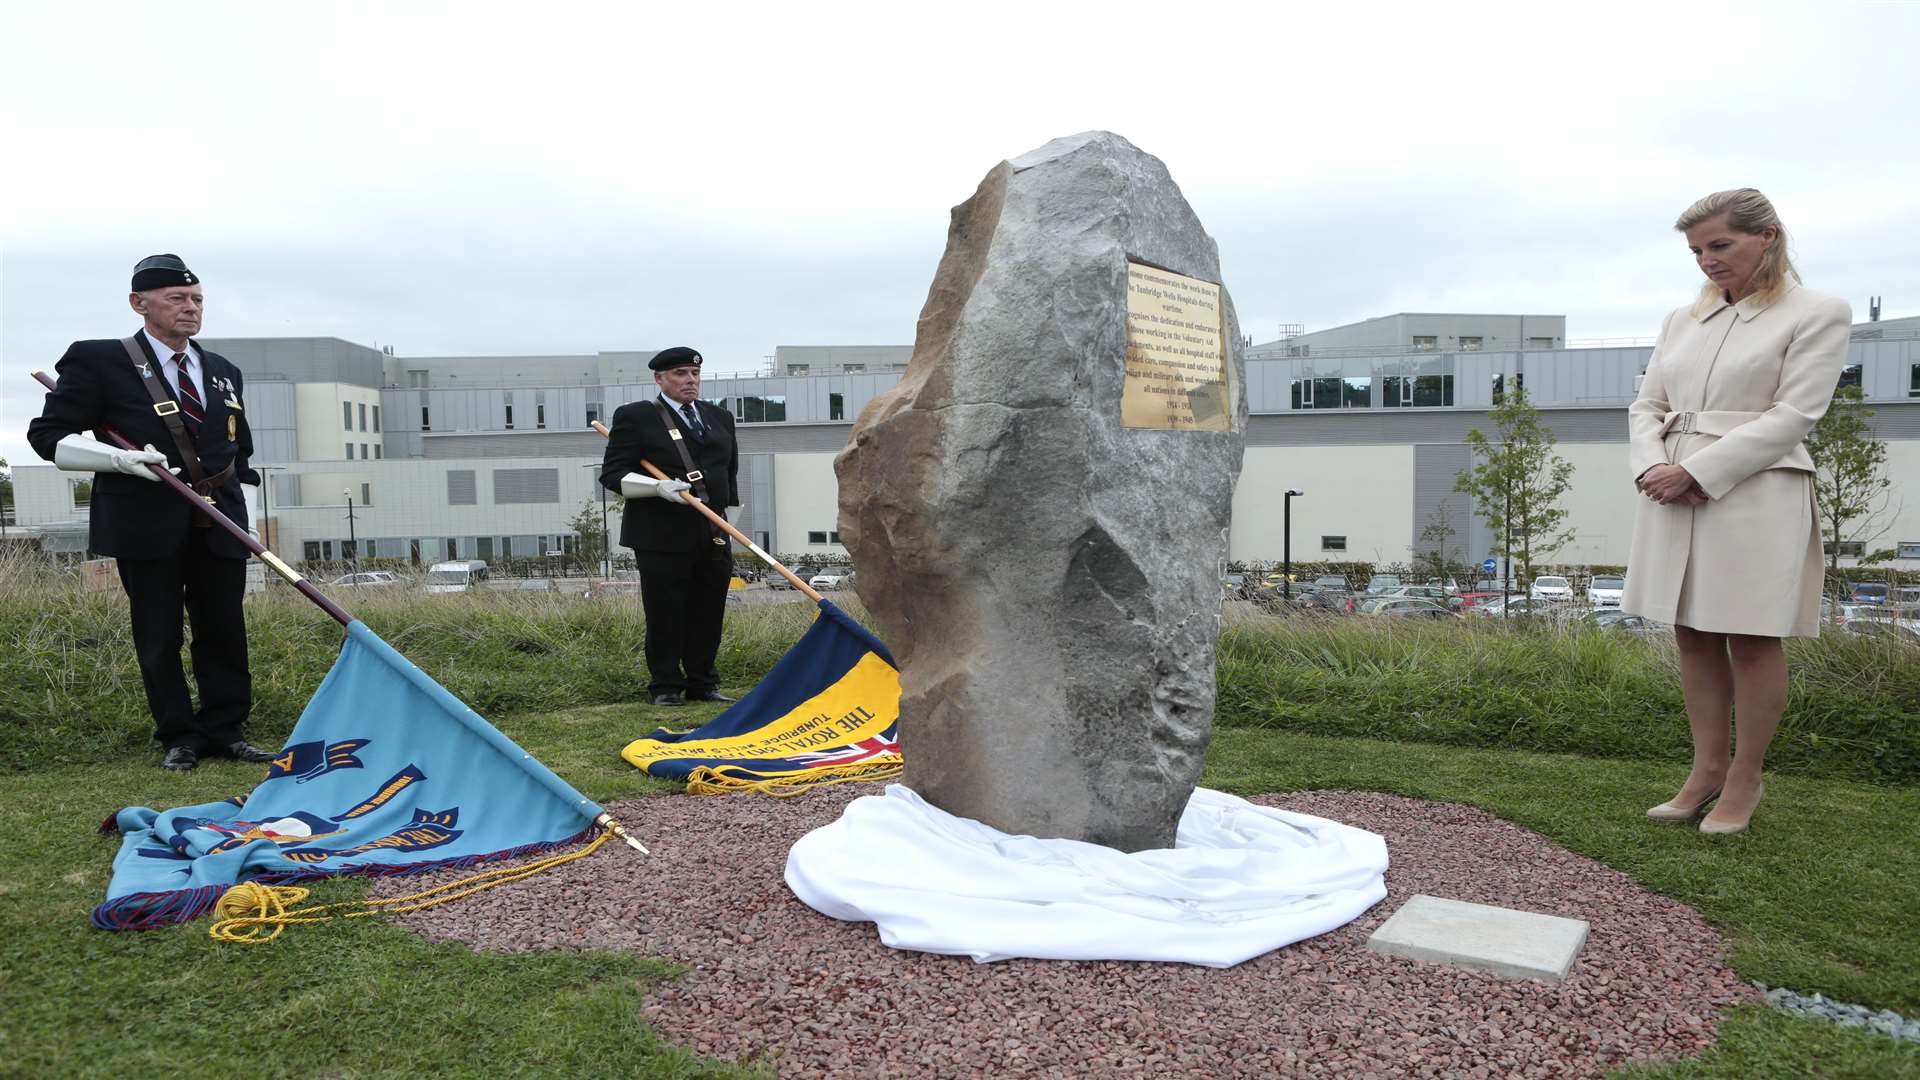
(635, 486)
(77, 453)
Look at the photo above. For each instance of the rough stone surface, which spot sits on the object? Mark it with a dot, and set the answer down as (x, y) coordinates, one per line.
(1047, 577)
(1515, 944)
(775, 982)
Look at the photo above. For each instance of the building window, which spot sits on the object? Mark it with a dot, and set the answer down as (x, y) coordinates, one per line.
(1500, 386)
(771, 409)
(539, 416)
(326, 550)
(349, 451)
(816, 538)
(453, 548)
(426, 422)
(1539, 343)
(833, 537)
(363, 416)
(483, 548)
(1356, 393)
(515, 486)
(1850, 375)
(593, 413)
(1333, 543)
(1908, 549)
(1470, 344)
(377, 455)
(509, 416)
(416, 379)
(1426, 344)
(370, 551)
(853, 369)
(376, 418)
(797, 369)
(461, 489)
(837, 403)
(346, 415)
(310, 551)
(366, 494)
(1418, 391)
(81, 491)
(363, 452)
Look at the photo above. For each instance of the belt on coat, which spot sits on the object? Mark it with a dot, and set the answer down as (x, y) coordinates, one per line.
(1717, 423)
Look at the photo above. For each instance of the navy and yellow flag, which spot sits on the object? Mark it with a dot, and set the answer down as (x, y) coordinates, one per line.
(827, 712)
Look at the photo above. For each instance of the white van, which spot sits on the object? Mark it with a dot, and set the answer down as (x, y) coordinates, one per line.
(463, 575)
(1605, 590)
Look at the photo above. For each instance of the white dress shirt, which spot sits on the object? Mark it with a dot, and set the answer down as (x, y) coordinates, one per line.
(701, 426)
(172, 370)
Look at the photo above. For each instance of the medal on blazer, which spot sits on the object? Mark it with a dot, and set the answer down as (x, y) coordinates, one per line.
(233, 428)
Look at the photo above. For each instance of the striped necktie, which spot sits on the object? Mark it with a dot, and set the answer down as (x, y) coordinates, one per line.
(693, 421)
(190, 404)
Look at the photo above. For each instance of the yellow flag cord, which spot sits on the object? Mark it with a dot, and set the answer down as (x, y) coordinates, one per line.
(249, 909)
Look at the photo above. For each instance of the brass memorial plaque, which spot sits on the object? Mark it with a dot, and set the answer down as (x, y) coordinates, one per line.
(1177, 375)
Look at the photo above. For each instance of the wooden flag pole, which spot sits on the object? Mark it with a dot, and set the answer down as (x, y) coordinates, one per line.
(721, 520)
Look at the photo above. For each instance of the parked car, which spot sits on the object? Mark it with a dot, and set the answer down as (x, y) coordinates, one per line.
(1449, 584)
(1871, 592)
(1401, 606)
(1234, 585)
(1437, 593)
(1906, 630)
(1332, 581)
(614, 587)
(826, 580)
(1549, 587)
(1605, 591)
(1617, 620)
(1514, 606)
(1417, 611)
(779, 581)
(1380, 583)
(365, 577)
(535, 584)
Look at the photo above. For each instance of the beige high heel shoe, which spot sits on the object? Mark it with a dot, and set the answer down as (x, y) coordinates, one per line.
(1669, 811)
(1730, 828)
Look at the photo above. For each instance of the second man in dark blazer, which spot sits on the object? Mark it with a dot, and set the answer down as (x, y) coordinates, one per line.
(685, 563)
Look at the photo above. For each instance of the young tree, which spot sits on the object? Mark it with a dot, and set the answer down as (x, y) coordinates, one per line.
(1438, 555)
(1850, 478)
(1517, 482)
(593, 536)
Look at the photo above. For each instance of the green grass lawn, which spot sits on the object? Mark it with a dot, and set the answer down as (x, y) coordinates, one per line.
(1817, 898)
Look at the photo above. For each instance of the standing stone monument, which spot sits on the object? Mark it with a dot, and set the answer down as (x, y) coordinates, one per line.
(1039, 509)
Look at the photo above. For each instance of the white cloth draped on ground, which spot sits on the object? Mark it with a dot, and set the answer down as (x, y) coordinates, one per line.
(1239, 881)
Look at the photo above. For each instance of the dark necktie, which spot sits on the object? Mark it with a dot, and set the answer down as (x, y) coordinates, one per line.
(693, 421)
(190, 404)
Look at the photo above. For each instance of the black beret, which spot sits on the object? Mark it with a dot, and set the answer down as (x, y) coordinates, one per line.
(160, 272)
(678, 356)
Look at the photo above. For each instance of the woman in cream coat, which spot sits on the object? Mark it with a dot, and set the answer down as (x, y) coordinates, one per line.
(1726, 544)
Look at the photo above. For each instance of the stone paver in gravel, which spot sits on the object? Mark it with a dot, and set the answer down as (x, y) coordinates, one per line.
(819, 997)
(1516, 944)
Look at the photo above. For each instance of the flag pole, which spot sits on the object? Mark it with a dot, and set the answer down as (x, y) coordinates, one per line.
(721, 520)
(181, 488)
(293, 577)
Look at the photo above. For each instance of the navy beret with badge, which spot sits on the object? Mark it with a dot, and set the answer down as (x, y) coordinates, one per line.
(678, 356)
(161, 272)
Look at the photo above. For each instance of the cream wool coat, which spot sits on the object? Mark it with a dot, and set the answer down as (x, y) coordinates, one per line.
(1731, 396)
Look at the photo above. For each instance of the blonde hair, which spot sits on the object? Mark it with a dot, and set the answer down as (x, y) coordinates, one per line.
(1747, 211)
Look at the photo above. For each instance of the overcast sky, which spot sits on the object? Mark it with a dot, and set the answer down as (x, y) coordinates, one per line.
(481, 178)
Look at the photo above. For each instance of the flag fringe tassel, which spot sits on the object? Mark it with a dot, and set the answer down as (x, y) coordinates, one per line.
(252, 913)
(729, 779)
(151, 910)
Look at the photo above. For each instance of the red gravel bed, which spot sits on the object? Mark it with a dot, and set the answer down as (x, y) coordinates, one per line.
(773, 979)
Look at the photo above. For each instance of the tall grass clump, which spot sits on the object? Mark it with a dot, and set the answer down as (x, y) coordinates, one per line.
(1853, 710)
(70, 686)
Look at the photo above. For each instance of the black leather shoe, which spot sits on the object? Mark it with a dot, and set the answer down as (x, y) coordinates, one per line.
(180, 758)
(242, 750)
(671, 697)
(708, 695)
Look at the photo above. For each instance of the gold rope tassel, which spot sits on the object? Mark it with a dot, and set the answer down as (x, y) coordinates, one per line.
(707, 781)
(252, 913)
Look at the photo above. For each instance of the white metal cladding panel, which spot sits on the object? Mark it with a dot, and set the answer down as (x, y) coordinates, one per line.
(526, 486)
(461, 488)
(1404, 426)
(1435, 469)
(537, 444)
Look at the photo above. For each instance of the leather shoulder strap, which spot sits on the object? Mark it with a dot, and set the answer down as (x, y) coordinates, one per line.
(694, 476)
(165, 407)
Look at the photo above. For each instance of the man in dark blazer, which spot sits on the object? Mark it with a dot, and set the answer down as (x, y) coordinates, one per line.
(685, 562)
(171, 559)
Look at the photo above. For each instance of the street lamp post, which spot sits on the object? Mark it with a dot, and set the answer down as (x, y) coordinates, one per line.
(1286, 542)
(606, 539)
(266, 504)
(353, 541)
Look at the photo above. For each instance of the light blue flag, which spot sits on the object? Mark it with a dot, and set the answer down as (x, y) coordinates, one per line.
(386, 773)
